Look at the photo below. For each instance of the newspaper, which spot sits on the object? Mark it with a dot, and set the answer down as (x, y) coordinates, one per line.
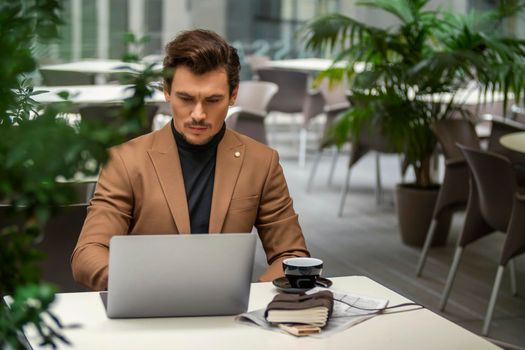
(343, 315)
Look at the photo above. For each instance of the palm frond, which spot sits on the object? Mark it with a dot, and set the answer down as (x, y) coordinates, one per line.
(404, 10)
(334, 31)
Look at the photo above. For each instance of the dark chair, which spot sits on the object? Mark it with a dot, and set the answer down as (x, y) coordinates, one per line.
(249, 123)
(66, 78)
(294, 97)
(370, 139)
(61, 235)
(453, 193)
(59, 239)
(111, 115)
(333, 113)
(499, 127)
(255, 95)
(494, 205)
(256, 62)
(336, 103)
(251, 109)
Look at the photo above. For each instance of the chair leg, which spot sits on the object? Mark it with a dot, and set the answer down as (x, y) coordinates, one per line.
(345, 191)
(303, 136)
(379, 187)
(332, 166)
(450, 278)
(513, 283)
(402, 171)
(492, 302)
(426, 247)
(314, 170)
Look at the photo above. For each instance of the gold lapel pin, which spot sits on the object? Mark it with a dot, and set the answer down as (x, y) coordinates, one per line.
(237, 154)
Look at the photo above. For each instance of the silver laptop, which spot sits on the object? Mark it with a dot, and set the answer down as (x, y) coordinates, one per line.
(179, 275)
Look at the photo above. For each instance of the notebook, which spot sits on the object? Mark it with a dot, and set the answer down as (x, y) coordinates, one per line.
(179, 275)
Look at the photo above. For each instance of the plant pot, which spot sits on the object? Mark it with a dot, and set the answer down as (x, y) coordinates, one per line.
(415, 206)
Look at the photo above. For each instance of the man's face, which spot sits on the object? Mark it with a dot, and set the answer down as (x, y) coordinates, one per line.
(199, 103)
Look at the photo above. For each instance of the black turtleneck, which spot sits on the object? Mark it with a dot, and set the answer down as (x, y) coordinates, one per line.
(198, 169)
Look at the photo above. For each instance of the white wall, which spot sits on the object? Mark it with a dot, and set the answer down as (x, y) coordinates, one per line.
(207, 14)
(175, 18)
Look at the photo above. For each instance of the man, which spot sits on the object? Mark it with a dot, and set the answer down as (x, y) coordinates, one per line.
(194, 175)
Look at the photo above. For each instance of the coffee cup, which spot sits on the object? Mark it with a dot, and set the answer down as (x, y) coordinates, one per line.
(302, 272)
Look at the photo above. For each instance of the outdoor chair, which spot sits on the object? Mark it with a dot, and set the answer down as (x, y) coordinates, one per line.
(66, 78)
(336, 103)
(256, 62)
(251, 109)
(294, 97)
(248, 123)
(494, 204)
(453, 193)
(500, 127)
(255, 95)
(60, 236)
(370, 139)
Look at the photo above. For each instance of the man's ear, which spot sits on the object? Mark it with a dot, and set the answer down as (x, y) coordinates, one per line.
(233, 96)
(166, 92)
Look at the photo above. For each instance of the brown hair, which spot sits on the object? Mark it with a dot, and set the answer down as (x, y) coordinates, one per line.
(202, 51)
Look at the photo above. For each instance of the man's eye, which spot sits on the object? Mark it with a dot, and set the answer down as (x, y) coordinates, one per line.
(186, 98)
(212, 100)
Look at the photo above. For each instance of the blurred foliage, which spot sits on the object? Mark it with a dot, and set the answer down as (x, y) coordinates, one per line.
(428, 52)
(37, 146)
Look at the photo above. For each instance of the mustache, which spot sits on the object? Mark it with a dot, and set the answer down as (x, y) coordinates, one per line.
(198, 123)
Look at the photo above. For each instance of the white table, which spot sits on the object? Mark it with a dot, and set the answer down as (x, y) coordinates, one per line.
(419, 329)
(95, 66)
(312, 65)
(91, 94)
(470, 96)
(514, 141)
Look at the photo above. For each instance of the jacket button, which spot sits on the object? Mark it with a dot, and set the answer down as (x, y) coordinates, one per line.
(237, 154)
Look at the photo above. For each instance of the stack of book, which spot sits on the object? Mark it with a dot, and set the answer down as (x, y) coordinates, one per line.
(300, 314)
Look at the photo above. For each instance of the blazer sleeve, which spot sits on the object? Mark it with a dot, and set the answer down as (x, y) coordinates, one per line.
(109, 214)
(277, 223)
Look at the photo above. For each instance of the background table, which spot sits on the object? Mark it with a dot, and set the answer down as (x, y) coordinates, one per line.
(419, 329)
(96, 66)
(311, 65)
(91, 94)
(514, 141)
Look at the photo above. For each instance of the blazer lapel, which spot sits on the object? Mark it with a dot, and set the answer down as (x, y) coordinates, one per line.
(230, 156)
(166, 162)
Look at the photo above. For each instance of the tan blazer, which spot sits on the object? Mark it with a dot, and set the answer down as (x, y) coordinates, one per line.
(141, 191)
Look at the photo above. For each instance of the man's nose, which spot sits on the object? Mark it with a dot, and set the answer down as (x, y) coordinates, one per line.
(198, 112)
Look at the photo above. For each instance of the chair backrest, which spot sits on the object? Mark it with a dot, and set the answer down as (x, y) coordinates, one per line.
(292, 89)
(256, 62)
(249, 124)
(334, 95)
(449, 132)
(255, 95)
(110, 114)
(500, 127)
(61, 235)
(374, 139)
(495, 183)
(59, 239)
(66, 78)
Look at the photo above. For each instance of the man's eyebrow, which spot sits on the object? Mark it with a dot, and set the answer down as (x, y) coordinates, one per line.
(183, 94)
(186, 94)
(215, 96)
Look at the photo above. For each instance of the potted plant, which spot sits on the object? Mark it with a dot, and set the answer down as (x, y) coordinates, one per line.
(36, 147)
(426, 54)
